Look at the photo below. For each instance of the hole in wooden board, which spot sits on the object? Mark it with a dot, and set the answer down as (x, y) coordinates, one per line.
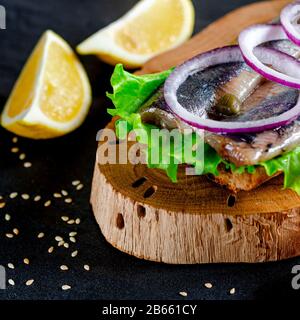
(141, 211)
(150, 192)
(228, 225)
(120, 221)
(139, 182)
(231, 200)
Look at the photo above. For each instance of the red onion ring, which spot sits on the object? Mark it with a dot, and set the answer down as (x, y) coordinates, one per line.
(200, 63)
(287, 17)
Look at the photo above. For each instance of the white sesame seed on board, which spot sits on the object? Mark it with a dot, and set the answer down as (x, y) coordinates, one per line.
(66, 287)
(14, 140)
(208, 285)
(66, 245)
(47, 203)
(25, 196)
(73, 234)
(72, 221)
(72, 239)
(22, 156)
(26, 261)
(27, 164)
(37, 198)
(86, 267)
(79, 187)
(61, 243)
(57, 195)
(2, 205)
(13, 195)
(58, 238)
(64, 218)
(14, 150)
(68, 200)
(77, 221)
(29, 282)
(10, 265)
(9, 235)
(41, 235)
(50, 250)
(232, 291)
(11, 282)
(64, 192)
(7, 217)
(183, 293)
(74, 253)
(75, 183)
(16, 231)
(64, 267)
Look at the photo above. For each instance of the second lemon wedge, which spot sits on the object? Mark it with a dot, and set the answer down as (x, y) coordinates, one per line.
(52, 95)
(149, 28)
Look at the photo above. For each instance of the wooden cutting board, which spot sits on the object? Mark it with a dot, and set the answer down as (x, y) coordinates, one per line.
(142, 213)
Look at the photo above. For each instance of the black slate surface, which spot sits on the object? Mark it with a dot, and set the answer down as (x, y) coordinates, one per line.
(56, 163)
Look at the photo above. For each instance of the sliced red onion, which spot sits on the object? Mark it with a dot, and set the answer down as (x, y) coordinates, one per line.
(289, 17)
(200, 63)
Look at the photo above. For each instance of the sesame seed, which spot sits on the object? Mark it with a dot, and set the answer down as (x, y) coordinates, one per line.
(25, 196)
(47, 203)
(14, 139)
(64, 193)
(66, 245)
(232, 291)
(68, 200)
(66, 287)
(29, 282)
(7, 217)
(22, 156)
(79, 187)
(72, 239)
(26, 261)
(73, 234)
(50, 250)
(77, 221)
(14, 150)
(74, 253)
(13, 195)
(86, 267)
(58, 238)
(183, 293)
(61, 243)
(75, 183)
(41, 235)
(64, 268)
(208, 285)
(57, 195)
(16, 231)
(72, 221)
(10, 266)
(64, 218)
(9, 235)
(27, 164)
(2, 205)
(37, 198)
(11, 282)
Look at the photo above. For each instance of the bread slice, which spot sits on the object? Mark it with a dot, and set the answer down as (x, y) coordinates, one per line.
(236, 182)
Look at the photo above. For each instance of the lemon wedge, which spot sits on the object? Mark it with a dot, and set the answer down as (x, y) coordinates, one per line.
(149, 28)
(52, 95)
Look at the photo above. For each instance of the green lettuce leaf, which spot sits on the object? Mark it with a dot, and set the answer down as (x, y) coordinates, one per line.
(131, 91)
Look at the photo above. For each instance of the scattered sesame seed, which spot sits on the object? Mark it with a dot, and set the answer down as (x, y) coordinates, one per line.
(58, 238)
(1, 198)
(26, 261)
(232, 291)
(50, 250)
(29, 282)
(73, 234)
(13, 195)
(183, 293)
(64, 192)
(11, 265)
(74, 253)
(27, 164)
(9, 235)
(64, 268)
(41, 235)
(11, 282)
(72, 239)
(2, 205)
(75, 183)
(7, 217)
(66, 287)
(14, 139)
(14, 150)
(66, 245)
(47, 203)
(37, 198)
(16, 231)
(208, 285)
(64, 218)
(79, 187)
(77, 221)
(57, 195)
(25, 196)
(22, 156)
(86, 267)
(61, 243)
(68, 200)
(72, 221)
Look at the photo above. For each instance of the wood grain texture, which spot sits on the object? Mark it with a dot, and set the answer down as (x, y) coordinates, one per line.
(195, 221)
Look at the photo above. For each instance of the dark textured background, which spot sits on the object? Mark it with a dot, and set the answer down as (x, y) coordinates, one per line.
(56, 163)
